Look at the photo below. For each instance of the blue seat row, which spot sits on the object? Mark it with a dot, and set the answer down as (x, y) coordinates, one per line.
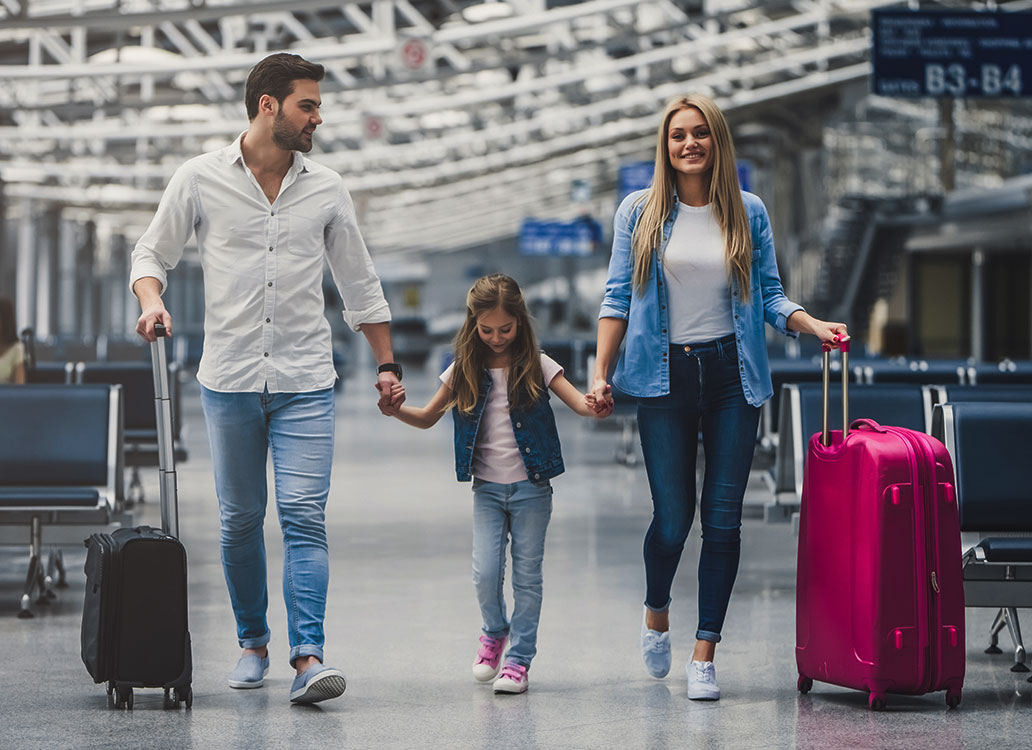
(60, 465)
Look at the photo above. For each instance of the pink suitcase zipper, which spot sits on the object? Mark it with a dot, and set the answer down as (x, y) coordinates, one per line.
(879, 593)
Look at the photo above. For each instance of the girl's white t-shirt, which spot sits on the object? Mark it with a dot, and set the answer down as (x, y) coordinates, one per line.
(496, 457)
(698, 295)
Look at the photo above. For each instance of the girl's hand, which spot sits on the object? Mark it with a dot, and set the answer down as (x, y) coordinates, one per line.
(391, 401)
(602, 410)
(830, 333)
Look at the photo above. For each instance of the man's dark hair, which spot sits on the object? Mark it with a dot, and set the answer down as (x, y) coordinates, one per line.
(275, 76)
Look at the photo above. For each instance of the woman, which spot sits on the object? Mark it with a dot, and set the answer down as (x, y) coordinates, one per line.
(12, 353)
(692, 279)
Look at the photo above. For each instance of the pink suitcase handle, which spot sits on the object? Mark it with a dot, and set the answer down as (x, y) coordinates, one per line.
(826, 364)
(868, 424)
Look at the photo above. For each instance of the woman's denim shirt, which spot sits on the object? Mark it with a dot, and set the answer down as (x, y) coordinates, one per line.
(535, 432)
(643, 370)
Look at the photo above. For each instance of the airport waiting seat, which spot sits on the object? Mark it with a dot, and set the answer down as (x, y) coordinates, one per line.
(1006, 372)
(50, 372)
(920, 371)
(141, 426)
(999, 393)
(801, 413)
(989, 443)
(60, 468)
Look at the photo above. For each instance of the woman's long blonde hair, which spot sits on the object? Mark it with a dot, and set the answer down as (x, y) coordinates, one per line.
(525, 378)
(724, 196)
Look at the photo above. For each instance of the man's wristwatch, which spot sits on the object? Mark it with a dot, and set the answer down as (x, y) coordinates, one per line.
(390, 367)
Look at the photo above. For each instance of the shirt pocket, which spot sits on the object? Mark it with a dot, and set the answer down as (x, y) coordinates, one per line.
(304, 234)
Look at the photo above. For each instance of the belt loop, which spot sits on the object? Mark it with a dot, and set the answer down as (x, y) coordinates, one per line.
(720, 349)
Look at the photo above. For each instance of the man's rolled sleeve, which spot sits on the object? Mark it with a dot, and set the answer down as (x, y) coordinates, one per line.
(352, 268)
(161, 246)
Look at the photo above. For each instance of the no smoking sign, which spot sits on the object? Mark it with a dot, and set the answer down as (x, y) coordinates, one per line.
(414, 54)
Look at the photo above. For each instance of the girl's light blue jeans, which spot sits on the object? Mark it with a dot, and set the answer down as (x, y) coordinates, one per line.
(298, 430)
(519, 511)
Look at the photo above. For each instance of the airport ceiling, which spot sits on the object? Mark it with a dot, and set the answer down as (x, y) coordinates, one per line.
(450, 120)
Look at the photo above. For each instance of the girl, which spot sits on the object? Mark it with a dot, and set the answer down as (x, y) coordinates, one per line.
(692, 279)
(506, 441)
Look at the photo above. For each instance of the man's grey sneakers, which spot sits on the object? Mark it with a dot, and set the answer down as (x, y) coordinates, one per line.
(249, 672)
(655, 649)
(702, 681)
(317, 683)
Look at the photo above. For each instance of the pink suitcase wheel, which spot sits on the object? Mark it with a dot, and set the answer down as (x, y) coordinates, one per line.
(803, 684)
(952, 698)
(876, 701)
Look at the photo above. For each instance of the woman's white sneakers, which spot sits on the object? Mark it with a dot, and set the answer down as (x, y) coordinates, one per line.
(655, 649)
(702, 681)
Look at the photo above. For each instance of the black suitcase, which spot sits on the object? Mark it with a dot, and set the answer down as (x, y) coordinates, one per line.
(134, 621)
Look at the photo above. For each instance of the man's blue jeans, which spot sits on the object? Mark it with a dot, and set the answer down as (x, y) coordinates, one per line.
(706, 392)
(520, 510)
(298, 429)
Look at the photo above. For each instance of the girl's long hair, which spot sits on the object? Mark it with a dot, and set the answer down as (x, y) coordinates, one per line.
(525, 379)
(724, 196)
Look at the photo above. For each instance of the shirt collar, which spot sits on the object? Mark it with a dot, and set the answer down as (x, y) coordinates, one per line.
(235, 154)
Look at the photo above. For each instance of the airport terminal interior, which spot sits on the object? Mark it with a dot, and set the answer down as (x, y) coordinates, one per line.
(499, 136)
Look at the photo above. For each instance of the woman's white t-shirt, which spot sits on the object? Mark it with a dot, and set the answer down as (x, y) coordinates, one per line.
(496, 457)
(698, 295)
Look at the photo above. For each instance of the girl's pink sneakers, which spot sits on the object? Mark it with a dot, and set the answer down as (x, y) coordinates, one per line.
(513, 679)
(489, 658)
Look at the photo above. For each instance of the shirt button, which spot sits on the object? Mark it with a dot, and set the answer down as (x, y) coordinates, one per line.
(527, 450)
(519, 425)
(270, 249)
(537, 476)
(662, 307)
(266, 354)
(268, 320)
(270, 283)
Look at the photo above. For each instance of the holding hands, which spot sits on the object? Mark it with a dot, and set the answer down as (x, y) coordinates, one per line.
(392, 394)
(600, 399)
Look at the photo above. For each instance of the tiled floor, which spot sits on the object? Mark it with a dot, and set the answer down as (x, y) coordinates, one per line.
(402, 623)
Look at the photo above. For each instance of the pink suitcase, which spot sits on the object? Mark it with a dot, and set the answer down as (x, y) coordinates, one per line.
(879, 591)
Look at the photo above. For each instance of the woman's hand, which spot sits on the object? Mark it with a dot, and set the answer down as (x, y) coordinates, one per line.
(600, 398)
(830, 333)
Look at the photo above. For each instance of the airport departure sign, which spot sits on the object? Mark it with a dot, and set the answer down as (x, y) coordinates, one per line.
(957, 54)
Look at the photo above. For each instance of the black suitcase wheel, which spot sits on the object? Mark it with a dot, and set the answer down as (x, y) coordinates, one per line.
(185, 695)
(110, 688)
(125, 698)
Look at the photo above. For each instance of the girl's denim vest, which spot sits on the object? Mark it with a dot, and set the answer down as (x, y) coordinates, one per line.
(535, 432)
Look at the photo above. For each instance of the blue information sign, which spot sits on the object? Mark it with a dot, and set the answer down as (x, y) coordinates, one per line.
(951, 53)
(578, 237)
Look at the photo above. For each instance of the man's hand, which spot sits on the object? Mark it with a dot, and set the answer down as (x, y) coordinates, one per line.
(153, 313)
(392, 393)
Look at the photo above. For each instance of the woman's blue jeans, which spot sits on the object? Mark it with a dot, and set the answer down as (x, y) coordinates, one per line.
(706, 393)
(298, 429)
(521, 511)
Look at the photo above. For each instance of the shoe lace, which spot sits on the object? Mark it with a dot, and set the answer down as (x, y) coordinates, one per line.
(656, 643)
(514, 672)
(489, 649)
(704, 671)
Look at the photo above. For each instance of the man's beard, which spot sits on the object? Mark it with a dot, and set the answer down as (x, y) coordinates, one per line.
(284, 136)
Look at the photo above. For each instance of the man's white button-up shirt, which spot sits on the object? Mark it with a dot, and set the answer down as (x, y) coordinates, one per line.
(264, 324)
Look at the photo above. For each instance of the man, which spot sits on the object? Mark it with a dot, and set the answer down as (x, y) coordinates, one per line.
(265, 218)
